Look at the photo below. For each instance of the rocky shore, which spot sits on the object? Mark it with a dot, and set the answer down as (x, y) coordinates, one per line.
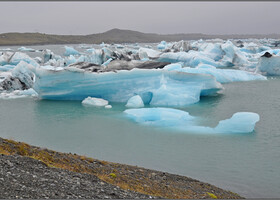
(32, 172)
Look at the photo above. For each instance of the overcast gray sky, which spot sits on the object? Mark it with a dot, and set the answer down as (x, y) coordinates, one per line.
(149, 17)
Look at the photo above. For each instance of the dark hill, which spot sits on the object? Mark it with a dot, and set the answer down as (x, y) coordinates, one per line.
(111, 36)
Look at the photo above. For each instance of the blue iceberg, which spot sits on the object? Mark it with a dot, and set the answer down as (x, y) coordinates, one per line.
(240, 122)
(135, 102)
(221, 75)
(26, 49)
(14, 58)
(156, 87)
(161, 45)
(70, 51)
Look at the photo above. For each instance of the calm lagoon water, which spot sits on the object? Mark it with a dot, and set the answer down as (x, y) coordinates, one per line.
(248, 164)
(244, 163)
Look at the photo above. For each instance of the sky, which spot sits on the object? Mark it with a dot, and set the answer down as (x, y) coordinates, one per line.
(81, 18)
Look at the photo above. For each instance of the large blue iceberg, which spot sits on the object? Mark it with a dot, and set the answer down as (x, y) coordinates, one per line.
(156, 87)
(240, 122)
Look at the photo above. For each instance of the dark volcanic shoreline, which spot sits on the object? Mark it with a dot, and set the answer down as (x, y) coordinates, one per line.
(112, 36)
(32, 172)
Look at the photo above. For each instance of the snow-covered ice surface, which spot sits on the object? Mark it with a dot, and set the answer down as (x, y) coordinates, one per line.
(240, 122)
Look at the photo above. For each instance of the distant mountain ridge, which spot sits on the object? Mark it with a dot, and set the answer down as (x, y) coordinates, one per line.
(113, 36)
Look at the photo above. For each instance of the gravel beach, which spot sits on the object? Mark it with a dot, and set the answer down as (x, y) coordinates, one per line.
(32, 172)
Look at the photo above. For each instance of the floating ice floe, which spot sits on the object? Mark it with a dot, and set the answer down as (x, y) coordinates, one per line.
(240, 122)
(98, 102)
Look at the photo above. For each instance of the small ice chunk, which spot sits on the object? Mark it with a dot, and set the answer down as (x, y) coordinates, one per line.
(95, 102)
(161, 45)
(240, 122)
(108, 106)
(135, 102)
(29, 92)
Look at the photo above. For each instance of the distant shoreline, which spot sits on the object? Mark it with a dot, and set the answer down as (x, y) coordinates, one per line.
(113, 36)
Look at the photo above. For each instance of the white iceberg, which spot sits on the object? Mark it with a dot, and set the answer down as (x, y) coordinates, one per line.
(161, 45)
(269, 65)
(151, 53)
(98, 102)
(16, 94)
(108, 106)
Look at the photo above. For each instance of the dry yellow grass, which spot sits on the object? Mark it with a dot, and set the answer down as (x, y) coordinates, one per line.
(124, 176)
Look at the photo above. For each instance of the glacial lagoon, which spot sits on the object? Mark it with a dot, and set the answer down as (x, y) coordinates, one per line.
(246, 163)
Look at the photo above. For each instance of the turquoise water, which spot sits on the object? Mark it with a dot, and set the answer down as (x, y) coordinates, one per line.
(247, 164)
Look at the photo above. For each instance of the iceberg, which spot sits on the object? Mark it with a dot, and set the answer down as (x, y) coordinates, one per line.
(14, 58)
(181, 46)
(240, 122)
(161, 45)
(190, 58)
(98, 102)
(26, 49)
(151, 54)
(16, 94)
(221, 75)
(90, 50)
(20, 78)
(154, 86)
(108, 106)
(135, 102)
(70, 51)
(269, 64)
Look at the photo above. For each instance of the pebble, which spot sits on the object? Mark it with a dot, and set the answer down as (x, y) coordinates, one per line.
(33, 179)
